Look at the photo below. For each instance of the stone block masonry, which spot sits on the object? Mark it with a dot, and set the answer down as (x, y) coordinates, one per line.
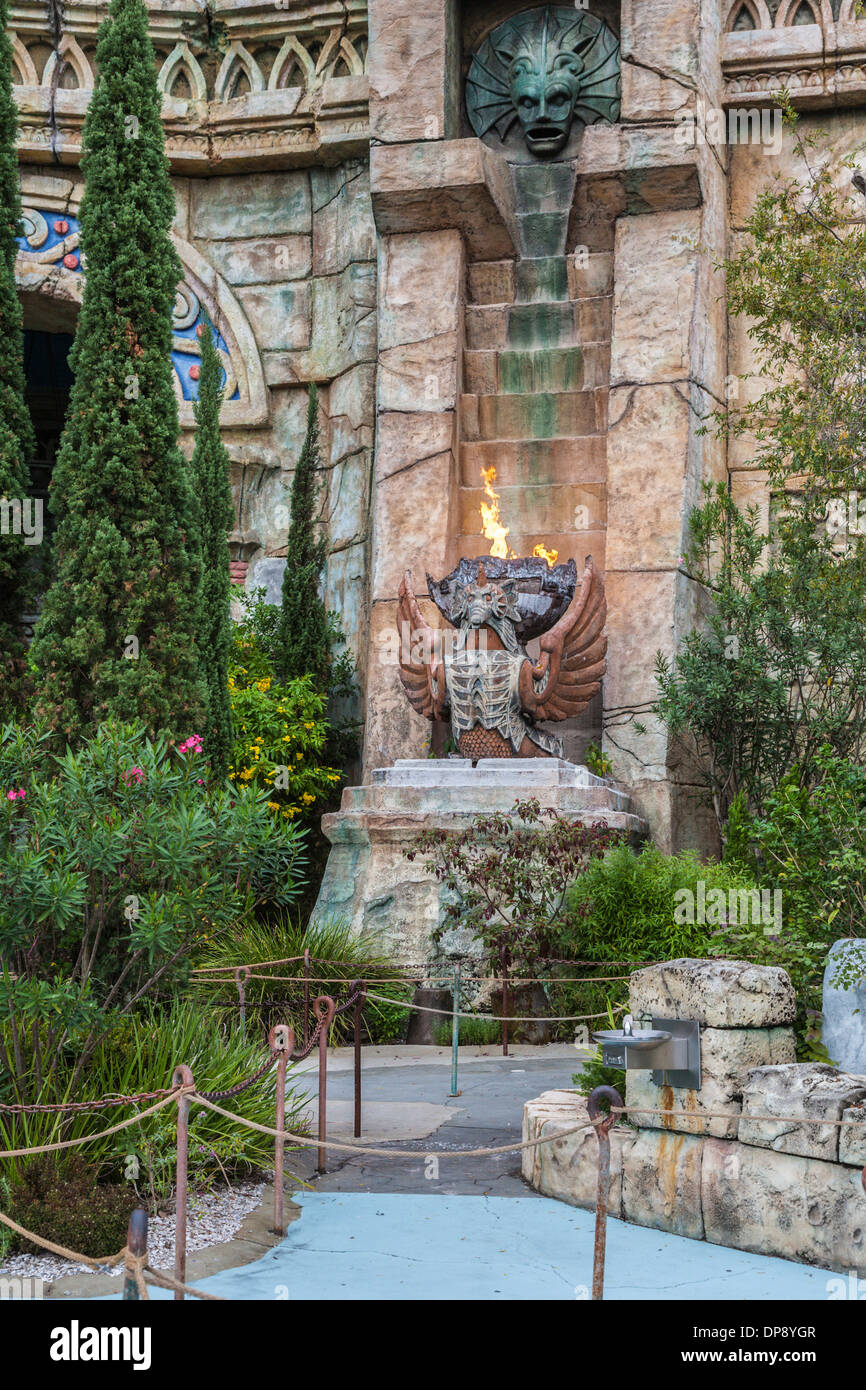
(775, 1187)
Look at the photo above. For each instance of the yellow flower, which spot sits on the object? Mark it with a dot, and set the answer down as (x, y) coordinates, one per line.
(307, 799)
(274, 805)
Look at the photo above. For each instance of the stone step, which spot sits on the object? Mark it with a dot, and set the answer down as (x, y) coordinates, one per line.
(488, 373)
(492, 282)
(540, 279)
(567, 324)
(546, 462)
(573, 801)
(542, 415)
(549, 508)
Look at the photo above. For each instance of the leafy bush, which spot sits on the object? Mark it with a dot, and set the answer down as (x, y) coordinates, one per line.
(811, 844)
(506, 877)
(623, 910)
(280, 738)
(139, 1054)
(115, 862)
(474, 1032)
(338, 956)
(594, 1073)
(63, 1203)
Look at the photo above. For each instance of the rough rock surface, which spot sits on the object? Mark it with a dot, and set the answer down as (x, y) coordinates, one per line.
(843, 1032)
(808, 1089)
(568, 1168)
(852, 1142)
(727, 1055)
(715, 993)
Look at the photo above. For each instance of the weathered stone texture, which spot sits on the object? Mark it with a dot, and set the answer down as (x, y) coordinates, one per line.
(715, 993)
(808, 1089)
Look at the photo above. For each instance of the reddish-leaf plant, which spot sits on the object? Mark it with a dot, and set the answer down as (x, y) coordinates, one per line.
(505, 877)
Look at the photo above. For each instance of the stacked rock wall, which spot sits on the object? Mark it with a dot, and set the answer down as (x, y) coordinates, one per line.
(777, 1187)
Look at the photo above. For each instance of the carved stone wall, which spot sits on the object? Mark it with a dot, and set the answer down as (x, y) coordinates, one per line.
(461, 303)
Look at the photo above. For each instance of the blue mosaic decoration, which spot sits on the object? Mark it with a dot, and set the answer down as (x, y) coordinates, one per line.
(54, 238)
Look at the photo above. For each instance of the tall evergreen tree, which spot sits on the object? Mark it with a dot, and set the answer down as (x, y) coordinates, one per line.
(303, 633)
(210, 465)
(16, 435)
(117, 635)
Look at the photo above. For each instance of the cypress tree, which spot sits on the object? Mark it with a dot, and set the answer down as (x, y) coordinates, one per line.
(303, 634)
(117, 637)
(210, 465)
(16, 435)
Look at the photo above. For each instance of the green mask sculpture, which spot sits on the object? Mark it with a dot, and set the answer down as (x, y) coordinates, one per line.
(539, 73)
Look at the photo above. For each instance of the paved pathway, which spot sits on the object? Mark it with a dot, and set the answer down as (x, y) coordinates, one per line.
(388, 1230)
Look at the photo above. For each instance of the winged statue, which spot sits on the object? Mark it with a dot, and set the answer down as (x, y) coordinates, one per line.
(495, 694)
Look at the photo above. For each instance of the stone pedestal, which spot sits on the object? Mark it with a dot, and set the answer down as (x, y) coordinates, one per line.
(370, 882)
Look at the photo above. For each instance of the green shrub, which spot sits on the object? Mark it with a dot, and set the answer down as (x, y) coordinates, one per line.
(474, 1032)
(810, 844)
(116, 861)
(346, 957)
(64, 1203)
(622, 911)
(594, 1073)
(140, 1053)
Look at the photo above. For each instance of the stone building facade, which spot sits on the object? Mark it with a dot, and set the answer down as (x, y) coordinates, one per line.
(347, 215)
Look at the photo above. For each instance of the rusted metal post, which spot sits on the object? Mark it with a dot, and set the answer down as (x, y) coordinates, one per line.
(136, 1242)
(455, 1029)
(282, 1041)
(602, 1130)
(503, 960)
(242, 974)
(359, 1007)
(324, 1008)
(306, 998)
(182, 1077)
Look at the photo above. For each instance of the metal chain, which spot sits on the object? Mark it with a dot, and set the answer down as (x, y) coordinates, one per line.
(103, 1104)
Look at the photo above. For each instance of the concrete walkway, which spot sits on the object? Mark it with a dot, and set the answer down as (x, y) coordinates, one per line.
(396, 1230)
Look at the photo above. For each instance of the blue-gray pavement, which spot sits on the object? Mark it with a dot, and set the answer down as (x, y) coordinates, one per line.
(390, 1230)
(398, 1247)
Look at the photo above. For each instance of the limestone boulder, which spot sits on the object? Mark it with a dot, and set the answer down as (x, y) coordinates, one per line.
(568, 1167)
(715, 993)
(783, 1204)
(852, 1141)
(661, 1182)
(727, 1056)
(808, 1089)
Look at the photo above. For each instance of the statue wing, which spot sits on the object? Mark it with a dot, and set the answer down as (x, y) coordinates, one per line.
(422, 670)
(572, 661)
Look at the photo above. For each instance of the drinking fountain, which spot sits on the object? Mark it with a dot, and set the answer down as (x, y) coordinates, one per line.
(670, 1048)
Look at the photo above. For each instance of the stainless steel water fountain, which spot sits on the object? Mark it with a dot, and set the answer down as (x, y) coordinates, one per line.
(670, 1048)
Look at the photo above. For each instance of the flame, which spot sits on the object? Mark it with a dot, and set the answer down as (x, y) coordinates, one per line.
(493, 529)
(551, 556)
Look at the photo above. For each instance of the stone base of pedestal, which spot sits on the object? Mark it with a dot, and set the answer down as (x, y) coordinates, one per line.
(370, 882)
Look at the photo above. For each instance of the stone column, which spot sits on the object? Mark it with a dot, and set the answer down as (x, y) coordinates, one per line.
(421, 279)
(668, 368)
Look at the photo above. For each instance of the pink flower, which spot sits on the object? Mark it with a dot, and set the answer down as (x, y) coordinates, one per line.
(192, 745)
(16, 796)
(135, 774)
(199, 781)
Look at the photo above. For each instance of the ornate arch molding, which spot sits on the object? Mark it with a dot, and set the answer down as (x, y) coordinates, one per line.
(49, 265)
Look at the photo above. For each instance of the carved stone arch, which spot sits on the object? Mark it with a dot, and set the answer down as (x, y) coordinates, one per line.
(181, 59)
(50, 277)
(758, 9)
(348, 57)
(68, 53)
(821, 11)
(22, 64)
(237, 56)
(849, 12)
(291, 55)
(329, 55)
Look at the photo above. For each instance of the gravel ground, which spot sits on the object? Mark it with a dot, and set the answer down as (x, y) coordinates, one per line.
(213, 1218)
